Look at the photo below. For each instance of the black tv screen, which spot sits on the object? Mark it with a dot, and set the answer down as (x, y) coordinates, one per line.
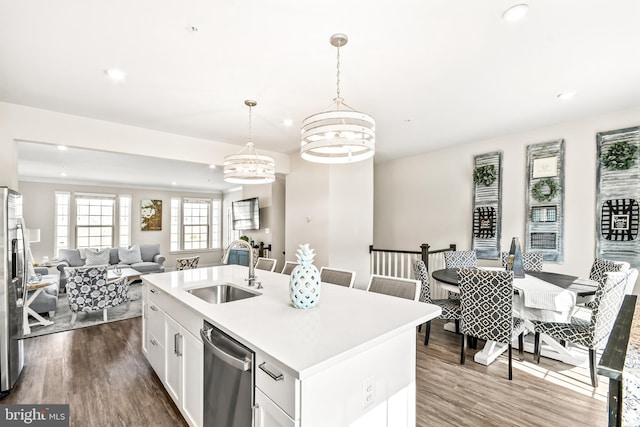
(245, 214)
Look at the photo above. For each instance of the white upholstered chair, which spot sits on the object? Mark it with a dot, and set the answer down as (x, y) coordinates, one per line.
(337, 276)
(268, 264)
(395, 286)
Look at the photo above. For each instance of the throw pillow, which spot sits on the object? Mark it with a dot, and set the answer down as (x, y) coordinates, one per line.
(601, 266)
(96, 257)
(130, 256)
(149, 251)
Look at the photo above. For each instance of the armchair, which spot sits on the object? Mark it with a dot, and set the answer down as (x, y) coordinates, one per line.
(89, 290)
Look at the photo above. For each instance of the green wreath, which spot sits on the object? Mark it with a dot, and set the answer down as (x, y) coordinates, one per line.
(544, 190)
(620, 156)
(485, 175)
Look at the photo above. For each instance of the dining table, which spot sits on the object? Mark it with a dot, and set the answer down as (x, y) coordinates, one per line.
(539, 295)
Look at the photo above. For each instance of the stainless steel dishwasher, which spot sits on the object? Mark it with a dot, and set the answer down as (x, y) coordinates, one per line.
(228, 380)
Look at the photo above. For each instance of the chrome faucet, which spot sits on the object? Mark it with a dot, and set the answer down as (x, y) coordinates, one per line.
(252, 271)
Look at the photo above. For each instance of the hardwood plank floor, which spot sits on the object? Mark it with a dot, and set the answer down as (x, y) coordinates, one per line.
(101, 372)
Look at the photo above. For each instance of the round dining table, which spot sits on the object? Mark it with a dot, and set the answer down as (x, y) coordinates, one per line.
(582, 287)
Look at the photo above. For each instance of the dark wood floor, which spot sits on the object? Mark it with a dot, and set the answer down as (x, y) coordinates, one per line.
(101, 372)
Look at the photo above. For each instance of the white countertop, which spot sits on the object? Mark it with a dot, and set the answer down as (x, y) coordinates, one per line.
(345, 321)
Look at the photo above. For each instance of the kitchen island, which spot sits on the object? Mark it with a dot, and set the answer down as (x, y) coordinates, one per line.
(348, 361)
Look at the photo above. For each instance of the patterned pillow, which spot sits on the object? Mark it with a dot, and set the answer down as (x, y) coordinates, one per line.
(130, 256)
(96, 257)
(601, 266)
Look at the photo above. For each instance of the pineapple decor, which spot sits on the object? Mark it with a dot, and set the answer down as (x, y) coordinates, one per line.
(305, 280)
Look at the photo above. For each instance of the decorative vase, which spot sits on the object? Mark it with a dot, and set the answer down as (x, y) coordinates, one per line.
(304, 287)
(514, 262)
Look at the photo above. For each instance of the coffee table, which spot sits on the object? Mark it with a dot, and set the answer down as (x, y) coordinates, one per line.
(129, 273)
(27, 311)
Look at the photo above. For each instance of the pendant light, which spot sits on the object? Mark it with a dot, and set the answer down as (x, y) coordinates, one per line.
(247, 167)
(339, 134)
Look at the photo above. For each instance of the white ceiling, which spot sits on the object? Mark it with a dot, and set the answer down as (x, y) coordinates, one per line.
(431, 72)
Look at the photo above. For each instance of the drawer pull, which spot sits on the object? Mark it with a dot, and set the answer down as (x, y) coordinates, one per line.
(275, 377)
(153, 341)
(154, 308)
(153, 291)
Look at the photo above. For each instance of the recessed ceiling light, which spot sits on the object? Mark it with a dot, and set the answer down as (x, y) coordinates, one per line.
(115, 74)
(174, 183)
(212, 166)
(63, 147)
(515, 13)
(63, 174)
(287, 122)
(194, 28)
(565, 96)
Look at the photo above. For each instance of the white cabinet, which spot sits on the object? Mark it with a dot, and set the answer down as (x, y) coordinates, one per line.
(175, 353)
(268, 414)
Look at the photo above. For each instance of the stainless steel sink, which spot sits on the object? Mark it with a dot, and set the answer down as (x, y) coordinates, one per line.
(219, 294)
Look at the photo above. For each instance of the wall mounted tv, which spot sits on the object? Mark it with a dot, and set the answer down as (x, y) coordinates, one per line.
(245, 214)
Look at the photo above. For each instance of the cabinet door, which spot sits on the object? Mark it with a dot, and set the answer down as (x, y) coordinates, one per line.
(145, 332)
(156, 355)
(268, 414)
(192, 375)
(173, 361)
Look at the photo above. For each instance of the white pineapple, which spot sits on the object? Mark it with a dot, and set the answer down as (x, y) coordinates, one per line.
(305, 279)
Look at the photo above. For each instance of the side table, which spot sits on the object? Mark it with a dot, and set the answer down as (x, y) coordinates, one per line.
(38, 288)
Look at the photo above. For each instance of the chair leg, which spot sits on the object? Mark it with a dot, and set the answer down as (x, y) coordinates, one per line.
(463, 348)
(427, 332)
(420, 327)
(51, 314)
(104, 314)
(73, 317)
(510, 370)
(457, 326)
(536, 348)
(521, 345)
(592, 367)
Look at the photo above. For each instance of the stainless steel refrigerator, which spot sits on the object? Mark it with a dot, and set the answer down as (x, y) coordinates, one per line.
(12, 292)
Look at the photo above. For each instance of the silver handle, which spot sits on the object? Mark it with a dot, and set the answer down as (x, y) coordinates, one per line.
(153, 307)
(275, 377)
(153, 291)
(257, 416)
(243, 365)
(153, 341)
(176, 344)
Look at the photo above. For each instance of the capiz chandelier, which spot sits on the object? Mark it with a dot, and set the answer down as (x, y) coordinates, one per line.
(247, 167)
(339, 134)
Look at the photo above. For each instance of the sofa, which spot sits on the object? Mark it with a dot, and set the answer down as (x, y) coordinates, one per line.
(149, 261)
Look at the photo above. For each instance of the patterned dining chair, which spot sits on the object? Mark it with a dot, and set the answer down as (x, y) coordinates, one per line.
(599, 267)
(459, 259)
(486, 307)
(337, 276)
(89, 290)
(593, 333)
(289, 266)
(531, 261)
(268, 264)
(450, 307)
(395, 286)
(187, 263)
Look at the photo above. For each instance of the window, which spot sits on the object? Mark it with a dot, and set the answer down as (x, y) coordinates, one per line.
(63, 200)
(125, 220)
(94, 221)
(195, 224)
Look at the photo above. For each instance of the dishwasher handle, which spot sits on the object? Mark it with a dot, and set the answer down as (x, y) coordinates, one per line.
(242, 365)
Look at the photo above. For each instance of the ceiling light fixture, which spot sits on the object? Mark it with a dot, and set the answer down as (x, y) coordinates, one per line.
(247, 167)
(212, 166)
(287, 122)
(515, 13)
(62, 147)
(338, 135)
(115, 74)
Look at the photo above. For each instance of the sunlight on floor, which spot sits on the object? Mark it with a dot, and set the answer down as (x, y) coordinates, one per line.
(574, 378)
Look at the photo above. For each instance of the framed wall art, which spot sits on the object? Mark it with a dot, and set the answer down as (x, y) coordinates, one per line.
(618, 195)
(487, 205)
(150, 215)
(545, 200)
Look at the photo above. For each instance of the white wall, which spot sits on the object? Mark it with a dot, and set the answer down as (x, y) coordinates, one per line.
(428, 198)
(331, 208)
(39, 212)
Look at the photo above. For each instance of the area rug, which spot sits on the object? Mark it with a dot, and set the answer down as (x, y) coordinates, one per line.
(62, 318)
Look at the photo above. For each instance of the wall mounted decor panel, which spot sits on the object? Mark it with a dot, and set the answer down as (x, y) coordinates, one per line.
(545, 200)
(618, 195)
(487, 205)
